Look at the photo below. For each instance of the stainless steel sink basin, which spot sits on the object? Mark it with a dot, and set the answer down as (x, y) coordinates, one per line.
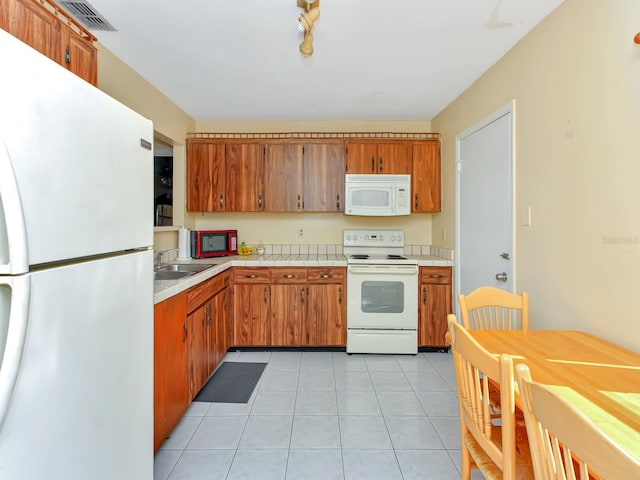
(169, 275)
(175, 271)
(181, 267)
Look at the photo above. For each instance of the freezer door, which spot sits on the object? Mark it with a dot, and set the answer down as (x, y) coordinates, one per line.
(82, 405)
(81, 164)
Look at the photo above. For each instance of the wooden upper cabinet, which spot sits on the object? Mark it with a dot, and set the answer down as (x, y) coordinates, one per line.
(205, 177)
(34, 25)
(425, 179)
(323, 177)
(79, 56)
(361, 157)
(283, 173)
(378, 157)
(42, 25)
(245, 177)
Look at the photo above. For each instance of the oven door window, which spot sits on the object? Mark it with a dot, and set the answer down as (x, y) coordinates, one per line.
(382, 297)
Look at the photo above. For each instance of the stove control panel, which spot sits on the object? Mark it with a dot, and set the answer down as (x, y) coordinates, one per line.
(373, 238)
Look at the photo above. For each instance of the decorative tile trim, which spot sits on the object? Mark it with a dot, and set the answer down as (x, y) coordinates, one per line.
(315, 135)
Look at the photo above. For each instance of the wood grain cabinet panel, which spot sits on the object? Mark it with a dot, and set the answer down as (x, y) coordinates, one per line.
(205, 177)
(323, 177)
(326, 315)
(79, 56)
(245, 177)
(435, 305)
(425, 178)
(283, 178)
(170, 382)
(288, 313)
(48, 29)
(377, 157)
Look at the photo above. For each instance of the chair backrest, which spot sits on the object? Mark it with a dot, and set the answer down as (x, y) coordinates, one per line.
(489, 308)
(563, 442)
(474, 367)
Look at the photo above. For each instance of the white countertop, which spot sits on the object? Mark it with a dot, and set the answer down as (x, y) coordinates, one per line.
(163, 289)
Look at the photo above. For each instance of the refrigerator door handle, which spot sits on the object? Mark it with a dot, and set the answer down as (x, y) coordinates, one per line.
(12, 334)
(14, 258)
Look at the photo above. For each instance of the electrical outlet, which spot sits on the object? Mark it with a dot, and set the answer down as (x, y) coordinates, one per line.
(300, 232)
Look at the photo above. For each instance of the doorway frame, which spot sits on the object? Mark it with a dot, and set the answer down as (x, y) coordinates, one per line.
(509, 108)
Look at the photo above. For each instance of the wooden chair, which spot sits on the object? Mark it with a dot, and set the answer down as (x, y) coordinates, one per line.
(564, 443)
(495, 446)
(489, 308)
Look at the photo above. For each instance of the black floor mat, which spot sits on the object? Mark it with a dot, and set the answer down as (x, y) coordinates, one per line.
(233, 382)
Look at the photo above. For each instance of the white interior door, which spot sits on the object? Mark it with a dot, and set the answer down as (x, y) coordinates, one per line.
(484, 204)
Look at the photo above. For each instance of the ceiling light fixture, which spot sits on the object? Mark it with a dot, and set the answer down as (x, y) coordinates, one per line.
(305, 24)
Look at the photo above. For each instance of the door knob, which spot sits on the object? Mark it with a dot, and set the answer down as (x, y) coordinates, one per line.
(502, 277)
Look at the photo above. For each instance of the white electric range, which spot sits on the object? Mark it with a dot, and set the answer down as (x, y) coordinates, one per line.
(382, 293)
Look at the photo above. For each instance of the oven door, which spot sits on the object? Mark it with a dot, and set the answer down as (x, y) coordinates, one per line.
(382, 297)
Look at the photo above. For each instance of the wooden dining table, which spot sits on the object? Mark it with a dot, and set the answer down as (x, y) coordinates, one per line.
(600, 378)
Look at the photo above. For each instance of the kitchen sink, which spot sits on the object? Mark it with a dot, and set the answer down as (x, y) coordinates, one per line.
(175, 271)
(185, 267)
(169, 275)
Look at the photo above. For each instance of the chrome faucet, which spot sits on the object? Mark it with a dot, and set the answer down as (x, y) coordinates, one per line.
(157, 262)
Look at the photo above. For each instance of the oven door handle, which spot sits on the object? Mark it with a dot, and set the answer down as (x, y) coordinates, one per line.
(383, 270)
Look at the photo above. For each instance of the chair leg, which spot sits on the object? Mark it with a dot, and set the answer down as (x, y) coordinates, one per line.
(465, 462)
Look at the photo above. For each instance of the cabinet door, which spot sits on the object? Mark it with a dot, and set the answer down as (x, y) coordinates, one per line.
(323, 177)
(283, 178)
(198, 344)
(288, 313)
(245, 177)
(80, 56)
(394, 158)
(205, 177)
(361, 157)
(435, 305)
(170, 383)
(221, 321)
(425, 178)
(34, 25)
(325, 323)
(251, 314)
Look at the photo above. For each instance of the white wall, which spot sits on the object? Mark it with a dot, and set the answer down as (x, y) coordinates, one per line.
(576, 83)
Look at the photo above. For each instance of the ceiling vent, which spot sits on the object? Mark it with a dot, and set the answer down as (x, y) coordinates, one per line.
(87, 15)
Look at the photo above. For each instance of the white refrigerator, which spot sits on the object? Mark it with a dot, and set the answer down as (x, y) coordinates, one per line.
(76, 289)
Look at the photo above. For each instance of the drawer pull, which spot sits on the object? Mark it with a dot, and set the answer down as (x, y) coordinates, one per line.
(289, 275)
(253, 275)
(437, 275)
(326, 275)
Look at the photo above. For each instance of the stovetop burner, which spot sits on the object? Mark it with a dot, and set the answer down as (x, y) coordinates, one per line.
(375, 247)
(359, 257)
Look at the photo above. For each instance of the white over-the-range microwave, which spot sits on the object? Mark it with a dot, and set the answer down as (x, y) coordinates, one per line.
(377, 195)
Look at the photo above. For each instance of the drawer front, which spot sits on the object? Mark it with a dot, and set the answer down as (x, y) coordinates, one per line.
(251, 275)
(326, 275)
(435, 275)
(288, 275)
(197, 295)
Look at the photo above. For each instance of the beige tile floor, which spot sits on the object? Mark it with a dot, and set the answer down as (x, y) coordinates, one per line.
(325, 415)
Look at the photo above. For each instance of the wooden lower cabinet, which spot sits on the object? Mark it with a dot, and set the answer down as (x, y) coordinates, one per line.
(289, 306)
(326, 307)
(251, 306)
(192, 332)
(435, 305)
(170, 384)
